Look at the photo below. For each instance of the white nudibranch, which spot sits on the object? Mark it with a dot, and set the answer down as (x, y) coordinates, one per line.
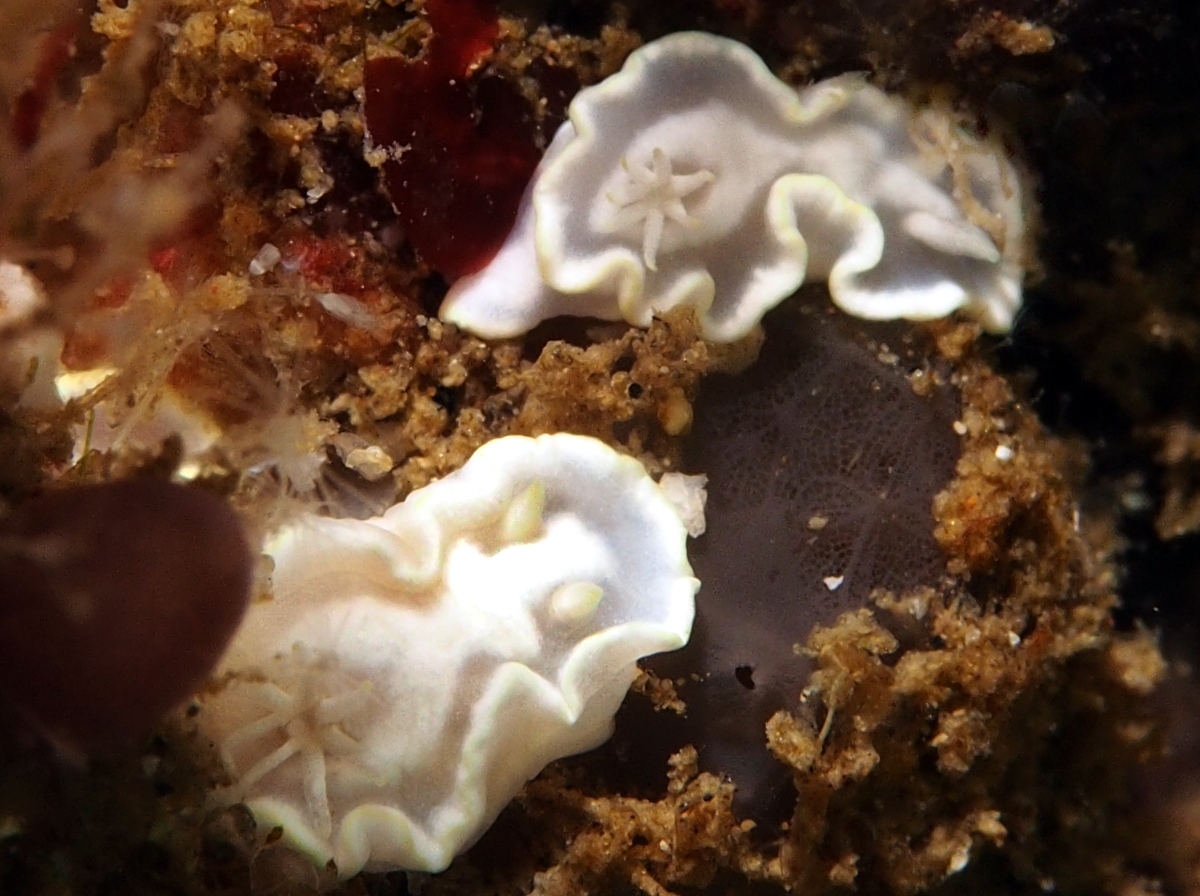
(695, 177)
(412, 671)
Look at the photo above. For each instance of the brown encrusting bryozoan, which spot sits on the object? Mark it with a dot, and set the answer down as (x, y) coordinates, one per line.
(189, 181)
(823, 459)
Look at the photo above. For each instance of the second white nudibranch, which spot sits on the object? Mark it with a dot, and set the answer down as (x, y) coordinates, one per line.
(412, 671)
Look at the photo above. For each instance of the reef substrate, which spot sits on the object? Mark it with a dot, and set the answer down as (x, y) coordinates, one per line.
(979, 729)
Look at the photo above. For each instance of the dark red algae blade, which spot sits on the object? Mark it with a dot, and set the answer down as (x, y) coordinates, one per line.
(461, 147)
(57, 48)
(116, 601)
(822, 466)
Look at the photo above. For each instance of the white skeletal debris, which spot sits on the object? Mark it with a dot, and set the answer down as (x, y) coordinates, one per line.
(29, 352)
(348, 310)
(412, 671)
(268, 256)
(695, 177)
(689, 496)
(21, 295)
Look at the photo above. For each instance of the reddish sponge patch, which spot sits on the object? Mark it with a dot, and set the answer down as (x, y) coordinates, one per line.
(462, 147)
(58, 46)
(116, 601)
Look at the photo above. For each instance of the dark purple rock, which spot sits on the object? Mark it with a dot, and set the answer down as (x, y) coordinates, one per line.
(115, 603)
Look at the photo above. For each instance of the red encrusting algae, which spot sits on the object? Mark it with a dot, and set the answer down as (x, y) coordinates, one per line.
(461, 149)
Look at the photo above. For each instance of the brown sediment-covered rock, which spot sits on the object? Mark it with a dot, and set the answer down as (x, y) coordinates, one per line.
(945, 757)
